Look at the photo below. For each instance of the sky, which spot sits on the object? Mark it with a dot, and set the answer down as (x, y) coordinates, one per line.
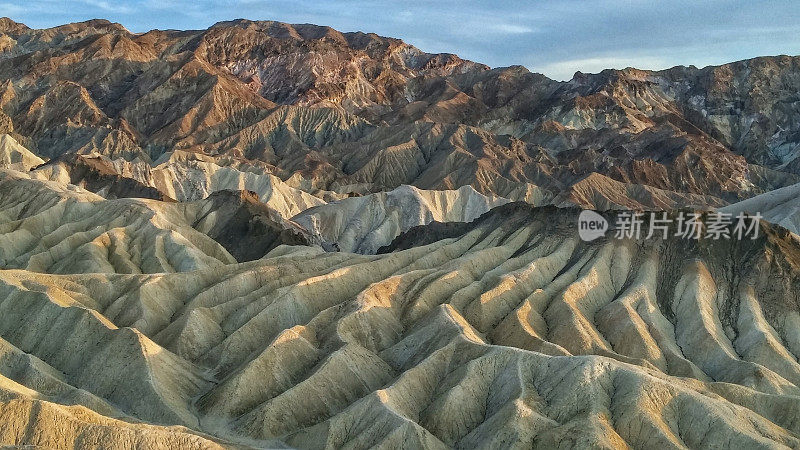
(553, 37)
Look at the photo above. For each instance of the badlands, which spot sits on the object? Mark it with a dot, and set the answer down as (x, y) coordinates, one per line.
(139, 329)
(264, 235)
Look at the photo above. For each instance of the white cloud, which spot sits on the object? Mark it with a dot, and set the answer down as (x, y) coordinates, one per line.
(506, 28)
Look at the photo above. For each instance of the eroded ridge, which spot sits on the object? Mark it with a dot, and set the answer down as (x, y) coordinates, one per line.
(508, 330)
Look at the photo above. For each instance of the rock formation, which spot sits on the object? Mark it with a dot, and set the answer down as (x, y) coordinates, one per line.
(55, 228)
(204, 243)
(180, 176)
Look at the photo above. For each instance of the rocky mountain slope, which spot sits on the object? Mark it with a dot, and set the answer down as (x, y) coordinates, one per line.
(360, 113)
(505, 330)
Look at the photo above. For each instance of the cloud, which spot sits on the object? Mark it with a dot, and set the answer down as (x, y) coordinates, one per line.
(507, 28)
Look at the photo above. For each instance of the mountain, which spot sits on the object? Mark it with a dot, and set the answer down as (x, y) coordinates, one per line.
(600, 192)
(96, 174)
(246, 227)
(359, 113)
(177, 176)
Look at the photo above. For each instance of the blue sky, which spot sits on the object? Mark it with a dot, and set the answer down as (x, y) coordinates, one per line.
(554, 37)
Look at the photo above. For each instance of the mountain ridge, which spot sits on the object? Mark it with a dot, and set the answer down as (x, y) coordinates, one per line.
(358, 113)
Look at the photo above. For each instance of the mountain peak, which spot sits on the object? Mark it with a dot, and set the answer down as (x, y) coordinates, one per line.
(11, 27)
